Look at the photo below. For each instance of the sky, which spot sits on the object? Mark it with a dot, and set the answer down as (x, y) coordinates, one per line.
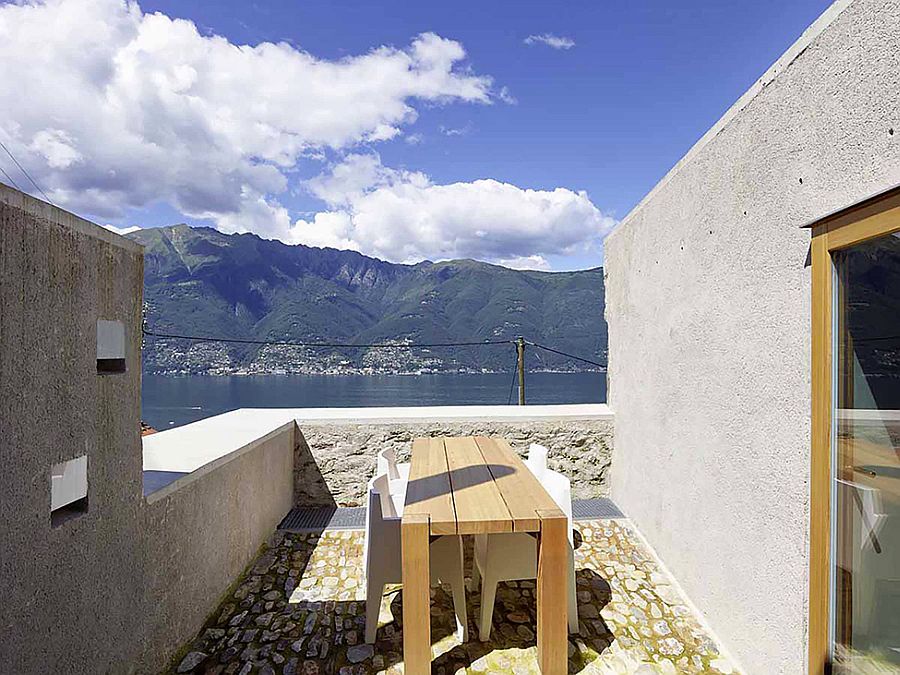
(513, 132)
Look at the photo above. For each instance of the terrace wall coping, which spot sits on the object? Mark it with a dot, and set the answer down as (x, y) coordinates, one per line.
(189, 447)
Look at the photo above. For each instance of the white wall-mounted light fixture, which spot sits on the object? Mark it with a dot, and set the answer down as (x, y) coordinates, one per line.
(110, 347)
(68, 489)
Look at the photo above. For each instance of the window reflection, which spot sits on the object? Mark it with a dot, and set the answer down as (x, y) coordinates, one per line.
(867, 453)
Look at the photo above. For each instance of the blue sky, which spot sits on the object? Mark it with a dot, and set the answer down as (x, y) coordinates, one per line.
(607, 116)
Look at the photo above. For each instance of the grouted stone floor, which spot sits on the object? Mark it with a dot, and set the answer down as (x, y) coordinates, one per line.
(300, 609)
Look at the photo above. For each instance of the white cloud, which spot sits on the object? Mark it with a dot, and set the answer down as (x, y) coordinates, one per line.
(55, 145)
(528, 262)
(414, 139)
(257, 213)
(506, 96)
(110, 108)
(459, 131)
(358, 174)
(551, 40)
(403, 216)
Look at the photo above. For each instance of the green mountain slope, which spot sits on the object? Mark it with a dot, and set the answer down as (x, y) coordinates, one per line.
(198, 281)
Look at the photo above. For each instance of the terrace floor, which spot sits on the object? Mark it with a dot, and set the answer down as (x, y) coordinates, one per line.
(300, 609)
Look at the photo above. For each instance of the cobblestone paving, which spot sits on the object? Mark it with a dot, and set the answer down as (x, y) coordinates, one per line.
(300, 609)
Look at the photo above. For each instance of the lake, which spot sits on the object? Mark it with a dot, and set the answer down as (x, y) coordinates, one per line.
(169, 401)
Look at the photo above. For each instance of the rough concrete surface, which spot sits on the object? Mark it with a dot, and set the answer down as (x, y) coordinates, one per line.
(117, 587)
(198, 538)
(707, 300)
(58, 276)
(335, 461)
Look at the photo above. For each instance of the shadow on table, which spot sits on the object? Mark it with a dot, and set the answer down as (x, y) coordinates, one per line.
(422, 489)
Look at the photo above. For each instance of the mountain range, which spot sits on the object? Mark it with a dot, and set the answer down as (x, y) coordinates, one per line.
(201, 282)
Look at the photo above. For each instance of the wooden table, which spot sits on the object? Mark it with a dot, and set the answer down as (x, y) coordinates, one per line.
(477, 485)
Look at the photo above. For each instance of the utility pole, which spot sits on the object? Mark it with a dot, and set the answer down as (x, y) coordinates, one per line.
(520, 351)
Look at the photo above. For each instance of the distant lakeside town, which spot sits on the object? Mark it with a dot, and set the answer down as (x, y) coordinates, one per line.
(178, 357)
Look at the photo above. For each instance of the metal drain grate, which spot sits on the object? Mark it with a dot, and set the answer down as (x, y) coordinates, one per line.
(586, 509)
(305, 519)
(324, 518)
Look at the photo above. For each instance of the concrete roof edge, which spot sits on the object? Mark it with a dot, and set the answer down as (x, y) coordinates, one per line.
(500, 419)
(189, 447)
(790, 55)
(41, 209)
(428, 414)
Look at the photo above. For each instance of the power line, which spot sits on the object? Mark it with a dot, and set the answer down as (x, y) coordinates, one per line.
(27, 175)
(571, 356)
(331, 345)
(9, 178)
(371, 345)
(540, 359)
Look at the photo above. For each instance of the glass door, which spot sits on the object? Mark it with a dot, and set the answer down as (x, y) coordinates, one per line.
(865, 521)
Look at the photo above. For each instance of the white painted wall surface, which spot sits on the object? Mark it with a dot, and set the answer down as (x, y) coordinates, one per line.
(707, 299)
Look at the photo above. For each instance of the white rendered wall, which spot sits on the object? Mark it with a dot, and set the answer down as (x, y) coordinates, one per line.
(707, 300)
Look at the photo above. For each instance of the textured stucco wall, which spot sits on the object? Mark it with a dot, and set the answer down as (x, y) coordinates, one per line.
(118, 588)
(65, 604)
(336, 460)
(707, 300)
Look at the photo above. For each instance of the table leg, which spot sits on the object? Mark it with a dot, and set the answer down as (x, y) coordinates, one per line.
(414, 532)
(552, 600)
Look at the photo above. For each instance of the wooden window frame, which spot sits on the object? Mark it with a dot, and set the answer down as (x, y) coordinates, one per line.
(870, 219)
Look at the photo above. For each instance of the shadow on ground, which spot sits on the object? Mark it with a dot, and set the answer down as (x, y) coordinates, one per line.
(301, 609)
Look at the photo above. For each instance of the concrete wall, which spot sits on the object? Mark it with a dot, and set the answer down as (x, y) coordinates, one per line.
(67, 595)
(201, 531)
(707, 300)
(119, 586)
(335, 460)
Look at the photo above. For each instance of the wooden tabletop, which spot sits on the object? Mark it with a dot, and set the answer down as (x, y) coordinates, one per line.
(478, 485)
(473, 485)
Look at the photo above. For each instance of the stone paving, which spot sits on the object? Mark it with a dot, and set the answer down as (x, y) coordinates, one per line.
(300, 609)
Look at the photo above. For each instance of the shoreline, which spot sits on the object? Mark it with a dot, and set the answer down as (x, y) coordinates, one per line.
(177, 374)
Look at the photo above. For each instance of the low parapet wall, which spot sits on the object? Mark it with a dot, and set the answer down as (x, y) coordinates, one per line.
(336, 458)
(336, 447)
(202, 530)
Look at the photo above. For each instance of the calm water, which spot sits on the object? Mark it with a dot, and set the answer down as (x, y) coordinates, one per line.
(173, 401)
